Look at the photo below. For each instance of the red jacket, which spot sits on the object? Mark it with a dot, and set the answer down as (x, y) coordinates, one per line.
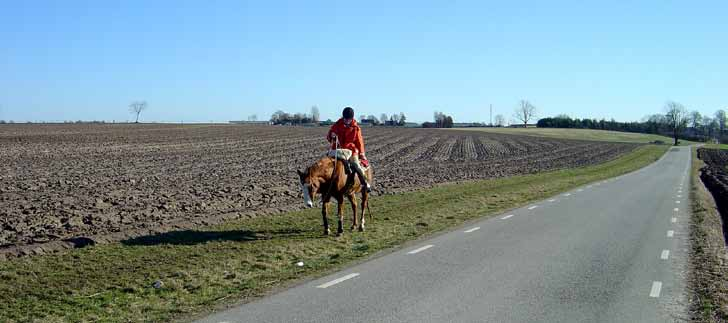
(349, 136)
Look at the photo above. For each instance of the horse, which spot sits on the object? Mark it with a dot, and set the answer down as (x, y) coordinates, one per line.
(328, 178)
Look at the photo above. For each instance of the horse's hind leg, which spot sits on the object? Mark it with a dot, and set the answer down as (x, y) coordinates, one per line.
(364, 203)
(324, 211)
(352, 201)
(340, 213)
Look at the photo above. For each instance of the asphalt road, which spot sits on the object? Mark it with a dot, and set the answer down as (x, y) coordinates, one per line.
(613, 251)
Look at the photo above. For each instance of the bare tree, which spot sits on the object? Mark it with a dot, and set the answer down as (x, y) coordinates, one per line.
(720, 118)
(137, 107)
(383, 118)
(525, 112)
(500, 120)
(315, 115)
(677, 118)
(373, 119)
(695, 119)
(710, 126)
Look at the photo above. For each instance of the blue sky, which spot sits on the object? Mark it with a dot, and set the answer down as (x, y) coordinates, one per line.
(218, 60)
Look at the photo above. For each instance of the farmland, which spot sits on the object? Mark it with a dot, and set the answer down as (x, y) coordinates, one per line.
(110, 182)
(583, 134)
(715, 177)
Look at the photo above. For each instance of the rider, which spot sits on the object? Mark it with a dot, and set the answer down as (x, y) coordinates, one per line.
(351, 143)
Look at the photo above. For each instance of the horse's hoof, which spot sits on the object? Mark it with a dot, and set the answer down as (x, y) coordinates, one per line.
(352, 228)
(361, 228)
(338, 234)
(327, 232)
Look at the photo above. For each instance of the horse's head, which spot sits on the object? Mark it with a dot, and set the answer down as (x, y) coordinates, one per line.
(309, 185)
(314, 177)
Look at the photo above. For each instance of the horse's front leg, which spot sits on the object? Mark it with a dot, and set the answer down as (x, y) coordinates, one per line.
(324, 211)
(340, 213)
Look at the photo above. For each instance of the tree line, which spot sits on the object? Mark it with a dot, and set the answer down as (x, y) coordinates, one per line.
(281, 117)
(676, 121)
(440, 119)
(395, 119)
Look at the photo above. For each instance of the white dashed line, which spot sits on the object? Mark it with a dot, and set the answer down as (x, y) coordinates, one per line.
(567, 194)
(580, 190)
(507, 217)
(552, 200)
(532, 207)
(673, 220)
(675, 209)
(338, 280)
(656, 287)
(665, 254)
(679, 196)
(670, 233)
(471, 230)
(420, 249)
(678, 202)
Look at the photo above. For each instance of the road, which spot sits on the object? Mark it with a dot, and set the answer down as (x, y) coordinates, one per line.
(612, 251)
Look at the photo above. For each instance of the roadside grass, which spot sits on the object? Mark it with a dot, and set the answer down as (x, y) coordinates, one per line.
(206, 269)
(716, 146)
(583, 134)
(709, 274)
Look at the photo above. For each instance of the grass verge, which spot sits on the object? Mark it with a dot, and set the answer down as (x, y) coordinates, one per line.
(583, 134)
(716, 146)
(205, 269)
(709, 274)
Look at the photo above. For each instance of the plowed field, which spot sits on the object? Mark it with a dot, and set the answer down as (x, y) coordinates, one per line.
(109, 182)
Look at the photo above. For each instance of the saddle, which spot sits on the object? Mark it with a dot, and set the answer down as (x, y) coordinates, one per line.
(347, 166)
(342, 155)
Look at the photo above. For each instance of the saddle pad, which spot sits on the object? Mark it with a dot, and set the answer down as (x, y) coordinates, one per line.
(343, 154)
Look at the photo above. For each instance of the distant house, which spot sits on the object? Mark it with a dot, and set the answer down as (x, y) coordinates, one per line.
(267, 123)
(466, 124)
(367, 122)
(412, 125)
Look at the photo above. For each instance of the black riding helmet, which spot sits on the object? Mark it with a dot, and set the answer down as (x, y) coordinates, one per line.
(348, 113)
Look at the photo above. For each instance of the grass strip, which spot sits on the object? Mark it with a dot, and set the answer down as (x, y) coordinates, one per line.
(204, 269)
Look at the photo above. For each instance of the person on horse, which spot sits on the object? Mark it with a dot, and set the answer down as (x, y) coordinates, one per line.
(350, 144)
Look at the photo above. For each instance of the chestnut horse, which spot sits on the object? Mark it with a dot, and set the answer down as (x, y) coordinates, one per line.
(329, 179)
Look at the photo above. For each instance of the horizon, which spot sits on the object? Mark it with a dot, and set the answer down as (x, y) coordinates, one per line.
(199, 63)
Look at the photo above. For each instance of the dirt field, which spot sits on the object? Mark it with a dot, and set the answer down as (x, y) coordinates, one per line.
(715, 177)
(109, 182)
(709, 274)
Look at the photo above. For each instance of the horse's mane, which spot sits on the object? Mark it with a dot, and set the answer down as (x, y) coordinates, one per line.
(321, 167)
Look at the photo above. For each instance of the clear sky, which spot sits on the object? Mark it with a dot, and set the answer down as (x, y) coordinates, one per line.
(219, 60)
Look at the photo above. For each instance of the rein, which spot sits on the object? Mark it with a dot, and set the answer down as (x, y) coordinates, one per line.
(333, 172)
